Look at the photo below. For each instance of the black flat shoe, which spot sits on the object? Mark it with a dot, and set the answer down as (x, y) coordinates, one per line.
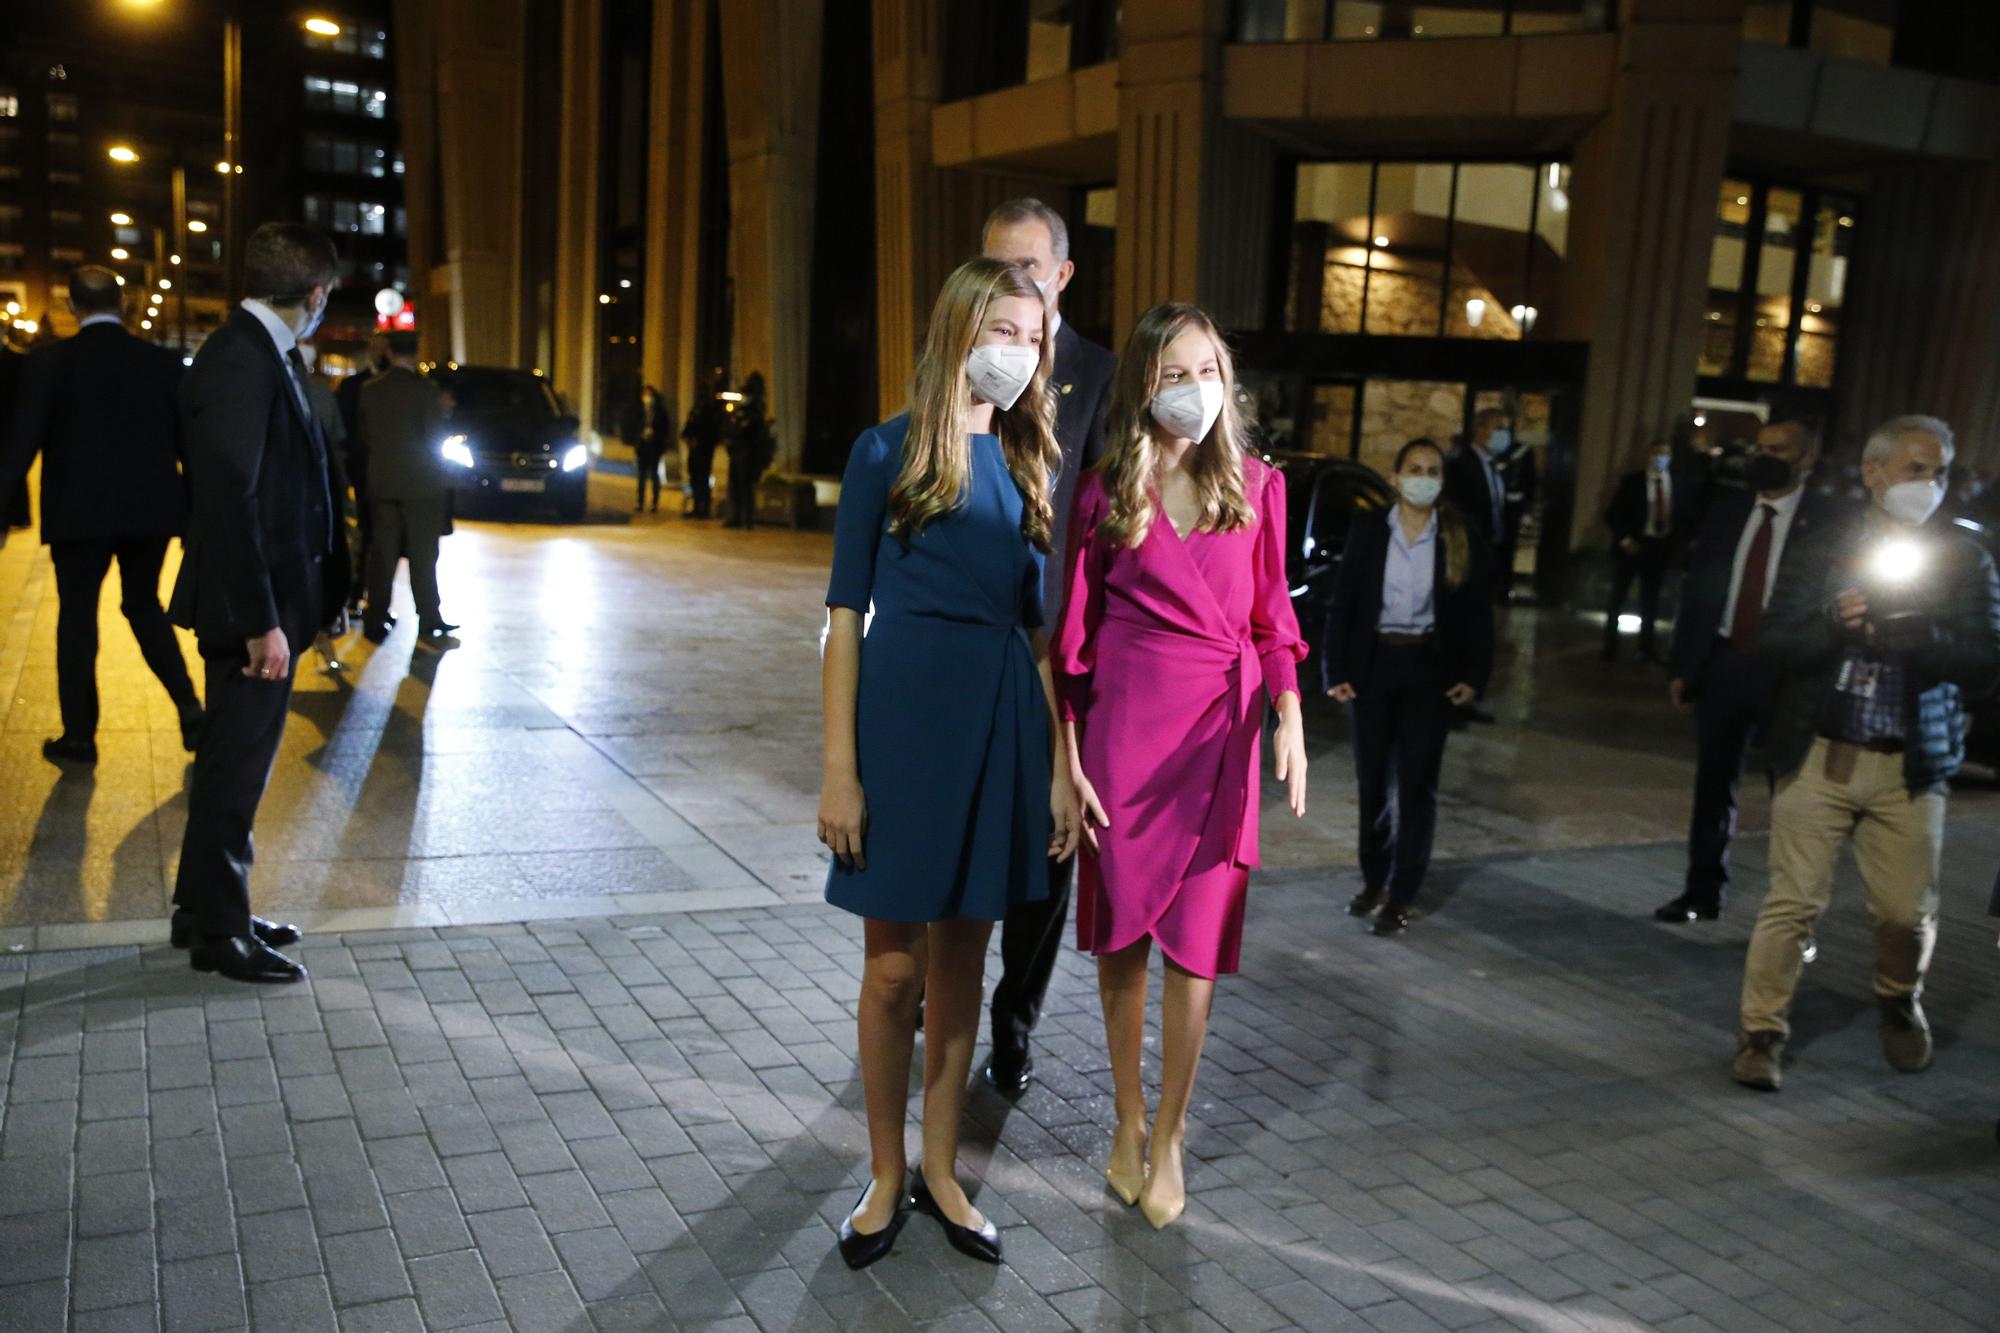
(858, 1249)
(63, 750)
(276, 934)
(243, 958)
(983, 1244)
(1688, 907)
(1009, 1071)
(1392, 920)
(1364, 903)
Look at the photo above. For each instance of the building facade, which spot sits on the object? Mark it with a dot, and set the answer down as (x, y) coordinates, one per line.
(1618, 219)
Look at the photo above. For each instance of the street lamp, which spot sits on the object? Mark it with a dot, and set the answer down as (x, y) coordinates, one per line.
(320, 27)
(122, 153)
(120, 252)
(121, 219)
(197, 226)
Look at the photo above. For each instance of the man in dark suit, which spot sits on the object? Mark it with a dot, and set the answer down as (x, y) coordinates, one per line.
(348, 398)
(1475, 483)
(1746, 540)
(401, 430)
(708, 426)
(1520, 478)
(1647, 515)
(265, 571)
(100, 409)
(1033, 235)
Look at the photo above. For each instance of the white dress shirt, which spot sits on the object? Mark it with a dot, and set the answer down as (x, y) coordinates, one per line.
(1408, 571)
(102, 317)
(1783, 512)
(285, 340)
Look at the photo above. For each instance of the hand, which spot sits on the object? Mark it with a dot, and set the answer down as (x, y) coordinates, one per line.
(1851, 608)
(1677, 694)
(1288, 748)
(1066, 820)
(1461, 694)
(1090, 807)
(270, 656)
(843, 821)
(1342, 693)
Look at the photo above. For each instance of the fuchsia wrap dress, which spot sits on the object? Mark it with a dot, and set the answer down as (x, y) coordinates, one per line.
(1163, 657)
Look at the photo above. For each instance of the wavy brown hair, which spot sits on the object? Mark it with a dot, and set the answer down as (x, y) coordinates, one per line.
(1132, 453)
(937, 454)
(1452, 531)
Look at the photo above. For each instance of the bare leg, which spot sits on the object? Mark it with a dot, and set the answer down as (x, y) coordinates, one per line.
(1183, 1027)
(1121, 987)
(888, 1025)
(951, 1029)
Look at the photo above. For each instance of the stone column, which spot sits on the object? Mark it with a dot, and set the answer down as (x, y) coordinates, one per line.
(1646, 180)
(577, 220)
(673, 197)
(480, 64)
(770, 63)
(1921, 331)
(1193, 191)
(907, 223)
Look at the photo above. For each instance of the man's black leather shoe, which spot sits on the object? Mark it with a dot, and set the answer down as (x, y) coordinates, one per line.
(375, 634)
(1364, 903)
(1009, 1071)
(437, 638)
(858, 1249)
(243, 958)
(1688, 907)
(181, 933)
(1392, 920)
(63, 750)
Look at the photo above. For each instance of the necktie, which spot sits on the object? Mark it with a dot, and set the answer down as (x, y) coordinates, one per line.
(1659, 525)
(315, 435)
(1750, 592)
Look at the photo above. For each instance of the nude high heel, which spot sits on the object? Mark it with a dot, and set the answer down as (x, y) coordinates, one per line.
(1126, 1187)
(1163, 1212)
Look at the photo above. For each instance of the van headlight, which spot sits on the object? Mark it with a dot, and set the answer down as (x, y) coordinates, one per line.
(575, 457)
(455, 450)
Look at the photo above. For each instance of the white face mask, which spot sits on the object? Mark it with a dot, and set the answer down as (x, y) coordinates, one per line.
(1913, 501)
(1422, 492)
(313, 316)
(1000, 372)
(1189, 410)
(1500, 441)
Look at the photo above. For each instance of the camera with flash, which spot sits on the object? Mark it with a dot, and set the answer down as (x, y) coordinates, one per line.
(1893, 571)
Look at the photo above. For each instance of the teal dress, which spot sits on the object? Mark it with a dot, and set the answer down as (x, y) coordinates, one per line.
(951, 725)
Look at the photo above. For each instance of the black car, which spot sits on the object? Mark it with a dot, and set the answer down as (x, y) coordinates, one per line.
(1322, 496)
(513, 441)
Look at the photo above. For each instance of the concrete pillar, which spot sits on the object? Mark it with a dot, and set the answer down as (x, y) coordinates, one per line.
(770, 63)
(1194, 192)
(909, 244)
(479, 59)
(1921, 331)
(1646, 179)
(576, 285)
(673, 197)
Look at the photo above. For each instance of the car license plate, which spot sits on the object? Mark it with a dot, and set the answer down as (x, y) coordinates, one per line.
(524, 485)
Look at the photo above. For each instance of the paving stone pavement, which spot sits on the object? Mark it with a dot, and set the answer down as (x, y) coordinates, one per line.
(1518, 1116)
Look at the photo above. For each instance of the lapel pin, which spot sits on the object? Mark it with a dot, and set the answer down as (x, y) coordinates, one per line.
(1068, 387)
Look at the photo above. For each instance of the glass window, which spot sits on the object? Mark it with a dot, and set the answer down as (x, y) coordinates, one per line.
(1725, 278)
(1406, 254)
(1331, 430)
(10, 104)
(1768, 21)
(1532, 17)
(1826, 287)
(1771, 304)
(1494, 207)
(374, 219)
(1331, 240)
(1855, 29)
(62, 106)
(1394, 412)
(346, 215)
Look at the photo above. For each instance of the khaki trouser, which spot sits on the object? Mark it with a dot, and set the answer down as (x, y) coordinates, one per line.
(1842, 792)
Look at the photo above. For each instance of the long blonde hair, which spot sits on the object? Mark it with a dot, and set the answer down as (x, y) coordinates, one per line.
(1131, 455)
(937, 455)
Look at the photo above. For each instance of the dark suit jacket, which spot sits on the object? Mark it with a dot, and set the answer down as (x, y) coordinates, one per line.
(1626, 516)
(1466, 488)
(1705, 589)
(1081, 383)
(100, 409)
(261, 552)
(13, 500)
(401, 428)
(1464, 614)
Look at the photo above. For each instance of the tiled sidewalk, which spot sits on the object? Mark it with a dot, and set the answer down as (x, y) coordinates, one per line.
(1516, 1117)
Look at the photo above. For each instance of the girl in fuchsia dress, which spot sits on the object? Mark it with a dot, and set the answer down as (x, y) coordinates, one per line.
(1177, 625)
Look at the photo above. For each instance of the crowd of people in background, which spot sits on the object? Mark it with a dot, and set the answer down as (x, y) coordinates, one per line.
(735, 423)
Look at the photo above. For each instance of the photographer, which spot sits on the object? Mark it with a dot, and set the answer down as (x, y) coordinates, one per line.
(1874, 631)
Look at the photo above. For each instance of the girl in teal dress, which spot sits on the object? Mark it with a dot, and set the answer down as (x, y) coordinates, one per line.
(941, 801)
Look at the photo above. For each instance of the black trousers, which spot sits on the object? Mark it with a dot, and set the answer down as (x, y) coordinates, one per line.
(1031, 938)
(364, 540)
(239, 743)
(413, 529)
(646, 460)
(742, 494)
(1648, 565)
(1401, 719)
(80, 570)
(1733, 700)
(701, 463)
